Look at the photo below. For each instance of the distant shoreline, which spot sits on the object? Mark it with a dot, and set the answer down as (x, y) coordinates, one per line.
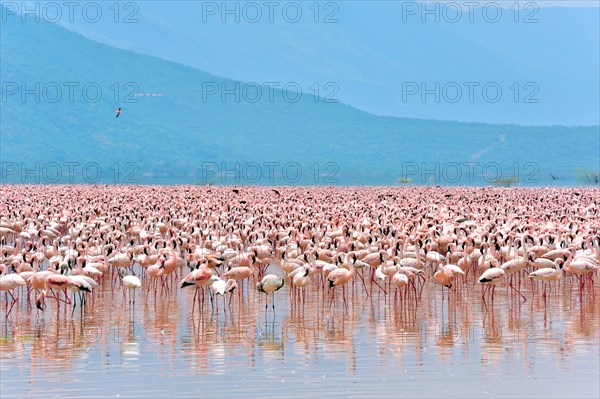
(340, 186)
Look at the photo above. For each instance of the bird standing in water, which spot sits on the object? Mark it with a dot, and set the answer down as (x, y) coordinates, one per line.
(269, 284)
(132, 283)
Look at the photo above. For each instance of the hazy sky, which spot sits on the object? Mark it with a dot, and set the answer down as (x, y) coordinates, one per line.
(505, 3)
(540, 3)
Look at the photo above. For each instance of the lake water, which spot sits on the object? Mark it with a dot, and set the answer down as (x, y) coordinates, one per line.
(375, 346)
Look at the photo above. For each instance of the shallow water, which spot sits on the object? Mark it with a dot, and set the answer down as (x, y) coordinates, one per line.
(376, 346)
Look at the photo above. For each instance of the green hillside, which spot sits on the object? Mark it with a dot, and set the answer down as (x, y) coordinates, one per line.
(170, 137)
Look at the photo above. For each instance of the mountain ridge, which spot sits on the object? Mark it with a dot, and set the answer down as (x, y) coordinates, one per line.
(370, 52)
(176, 135)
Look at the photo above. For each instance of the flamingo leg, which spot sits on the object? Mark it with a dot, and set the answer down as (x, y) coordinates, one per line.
(273, 303)
(382, 289)
(518, 292)
(14, 300)
(363, 283)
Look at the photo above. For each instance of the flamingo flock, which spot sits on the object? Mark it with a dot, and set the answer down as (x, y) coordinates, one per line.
(322, 243)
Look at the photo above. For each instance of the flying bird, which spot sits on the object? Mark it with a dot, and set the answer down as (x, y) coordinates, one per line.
(118, 112)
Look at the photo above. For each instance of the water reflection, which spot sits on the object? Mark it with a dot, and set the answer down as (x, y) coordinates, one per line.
(375, 345)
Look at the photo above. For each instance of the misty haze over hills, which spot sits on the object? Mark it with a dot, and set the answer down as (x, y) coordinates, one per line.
(544, 60)
(173, 130)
